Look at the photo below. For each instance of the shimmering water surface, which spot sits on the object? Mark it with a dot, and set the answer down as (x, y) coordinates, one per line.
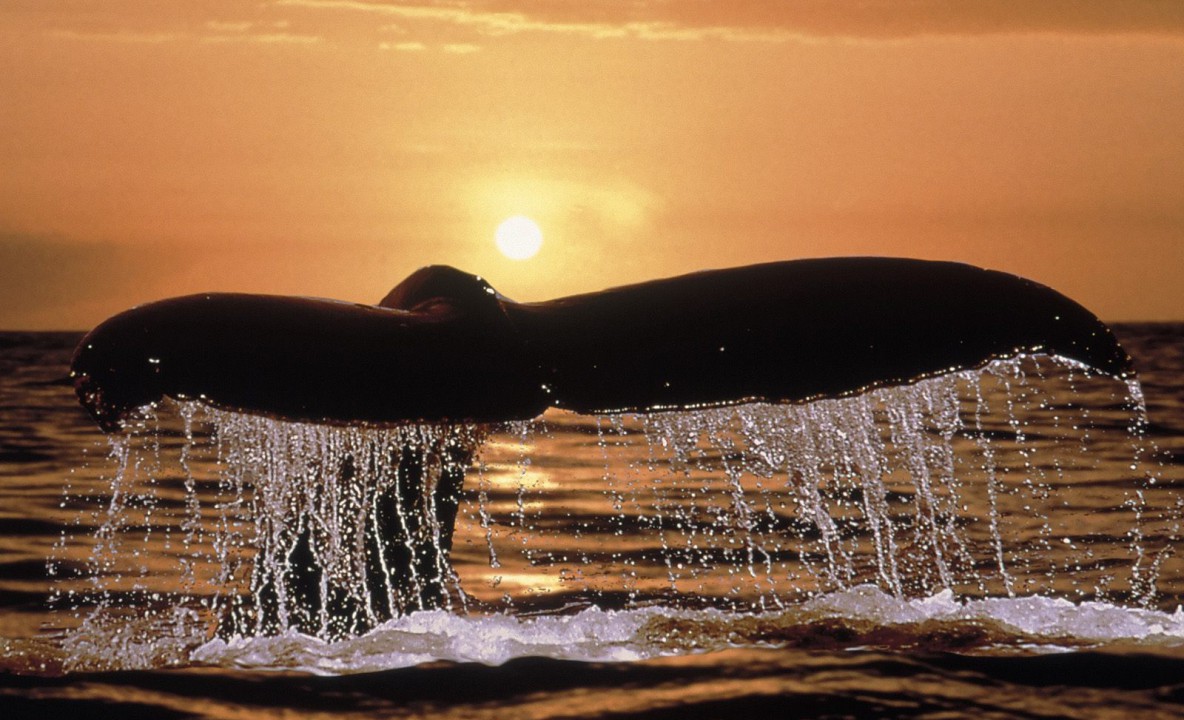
(996, 543)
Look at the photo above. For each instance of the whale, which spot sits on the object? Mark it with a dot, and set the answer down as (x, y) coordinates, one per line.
(445, 346)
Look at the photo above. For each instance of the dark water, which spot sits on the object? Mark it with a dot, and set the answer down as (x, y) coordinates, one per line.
(1014, 557)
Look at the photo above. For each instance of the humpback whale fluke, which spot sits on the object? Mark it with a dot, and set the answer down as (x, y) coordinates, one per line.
(444, 346)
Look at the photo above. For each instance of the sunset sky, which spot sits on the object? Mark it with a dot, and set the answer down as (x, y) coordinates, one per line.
(331, 147)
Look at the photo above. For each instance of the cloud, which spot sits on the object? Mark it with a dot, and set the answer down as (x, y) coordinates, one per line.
(117, 36)
(238, 36)
(265, 38)
(221, 26)
(504, 19)
(773, 20)
(207, 32)
(403, 46)
(228, 27)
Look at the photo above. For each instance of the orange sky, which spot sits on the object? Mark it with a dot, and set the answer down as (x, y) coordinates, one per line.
(330, 147)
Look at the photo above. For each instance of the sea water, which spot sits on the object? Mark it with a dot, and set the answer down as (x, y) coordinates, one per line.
(1023, 509)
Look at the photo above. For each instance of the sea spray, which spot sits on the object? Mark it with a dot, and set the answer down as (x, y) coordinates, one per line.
(940, 485)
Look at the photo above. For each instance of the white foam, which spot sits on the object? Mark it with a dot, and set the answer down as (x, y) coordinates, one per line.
(590, 635)
(595, 635)
(1041, 618)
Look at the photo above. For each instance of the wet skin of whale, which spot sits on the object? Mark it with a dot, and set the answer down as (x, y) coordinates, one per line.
(444, 347)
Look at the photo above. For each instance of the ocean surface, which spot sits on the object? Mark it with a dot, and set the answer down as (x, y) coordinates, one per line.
(992, 543)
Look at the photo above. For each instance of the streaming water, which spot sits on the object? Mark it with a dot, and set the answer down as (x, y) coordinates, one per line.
(949, 498)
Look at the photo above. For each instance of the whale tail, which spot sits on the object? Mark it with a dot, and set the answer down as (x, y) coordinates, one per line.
(795, 331)
(444, 346)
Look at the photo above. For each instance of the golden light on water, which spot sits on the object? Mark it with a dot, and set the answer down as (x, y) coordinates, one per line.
(519, 237)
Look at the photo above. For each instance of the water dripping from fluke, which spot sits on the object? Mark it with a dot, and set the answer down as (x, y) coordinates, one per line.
(768, 435)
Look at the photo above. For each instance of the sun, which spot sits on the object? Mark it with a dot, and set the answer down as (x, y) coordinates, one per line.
(518, 237)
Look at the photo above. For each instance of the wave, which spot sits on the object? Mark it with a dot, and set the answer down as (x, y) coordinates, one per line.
(858, 618)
